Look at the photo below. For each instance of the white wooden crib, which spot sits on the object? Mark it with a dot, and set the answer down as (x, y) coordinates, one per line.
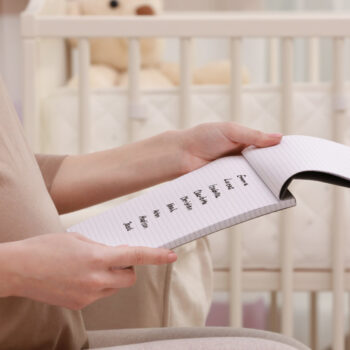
(46, 68)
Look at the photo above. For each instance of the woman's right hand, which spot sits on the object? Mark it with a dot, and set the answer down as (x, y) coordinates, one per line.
(69, 270)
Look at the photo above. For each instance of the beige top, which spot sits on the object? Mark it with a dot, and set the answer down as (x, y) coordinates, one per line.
(24, 197)
(26, 210)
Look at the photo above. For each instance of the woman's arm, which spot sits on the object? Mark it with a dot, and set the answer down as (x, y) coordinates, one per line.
(70, 270)
(85, 180)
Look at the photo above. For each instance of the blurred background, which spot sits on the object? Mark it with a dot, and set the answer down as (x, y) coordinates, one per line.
(10, 58)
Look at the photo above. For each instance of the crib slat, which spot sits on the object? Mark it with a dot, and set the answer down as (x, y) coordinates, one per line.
(273, 60)
(195, 25)
(348, 297)
(84, 96)
(135, 109)
(338, 214)
(286, 237)
(314, 60)
(313, 321)
(236, 288)
(236, 79)
(273, 312)
(186, 82)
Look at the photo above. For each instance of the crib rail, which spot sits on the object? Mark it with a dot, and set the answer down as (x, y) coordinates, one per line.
(280, 30)
(197, 25)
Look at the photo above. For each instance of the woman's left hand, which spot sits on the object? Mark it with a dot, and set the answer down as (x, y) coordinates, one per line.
(207, 142)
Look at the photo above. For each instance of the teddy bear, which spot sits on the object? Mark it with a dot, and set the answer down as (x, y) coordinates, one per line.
(109, 56)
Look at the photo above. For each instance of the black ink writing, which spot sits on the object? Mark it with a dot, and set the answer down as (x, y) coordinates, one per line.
(242, 178)
(128, 226)
(215, 190)
(143, 221)
(171, 207)
(203, 199)
(229, 184)
(186, 201)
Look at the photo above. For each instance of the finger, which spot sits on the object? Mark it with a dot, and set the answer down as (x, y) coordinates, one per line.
(241, 134)
(87, 240)
(117, 268)
(113, 279)
(237, 149)
(107, 293)
(116, 279)
(130, 256)
(110, 291)
(104, 294)
(122, 279)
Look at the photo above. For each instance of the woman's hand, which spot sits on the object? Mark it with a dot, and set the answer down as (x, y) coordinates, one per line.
(89, 179)
(69, 270)
(207, 142)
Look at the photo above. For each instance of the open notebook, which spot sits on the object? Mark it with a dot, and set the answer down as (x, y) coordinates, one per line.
(223, 193)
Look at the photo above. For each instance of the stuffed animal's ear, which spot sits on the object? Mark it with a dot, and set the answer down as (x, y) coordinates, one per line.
(74, 8)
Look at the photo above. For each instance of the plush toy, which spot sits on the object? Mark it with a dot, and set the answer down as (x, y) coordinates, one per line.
(109, 56)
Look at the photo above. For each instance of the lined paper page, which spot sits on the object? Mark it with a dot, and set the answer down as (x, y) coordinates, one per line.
(219, 195)
(298, 154)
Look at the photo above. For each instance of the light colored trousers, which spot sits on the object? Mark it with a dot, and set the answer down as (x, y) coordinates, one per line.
(177, 295)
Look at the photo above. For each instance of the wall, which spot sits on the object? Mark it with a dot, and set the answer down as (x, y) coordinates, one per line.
(10, 47)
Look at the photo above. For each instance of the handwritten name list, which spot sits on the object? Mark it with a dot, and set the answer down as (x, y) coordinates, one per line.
(198, 197)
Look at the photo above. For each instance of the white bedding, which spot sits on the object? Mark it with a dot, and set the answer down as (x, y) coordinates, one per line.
(313, 113)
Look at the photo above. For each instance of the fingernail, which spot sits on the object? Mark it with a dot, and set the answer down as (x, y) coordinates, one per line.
(172, 257)
(276, 135)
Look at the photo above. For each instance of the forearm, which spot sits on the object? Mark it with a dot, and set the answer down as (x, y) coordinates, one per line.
(7, 277)
(89, 179)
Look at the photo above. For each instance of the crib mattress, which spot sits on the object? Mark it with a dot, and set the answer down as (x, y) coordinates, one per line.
(313, 110)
